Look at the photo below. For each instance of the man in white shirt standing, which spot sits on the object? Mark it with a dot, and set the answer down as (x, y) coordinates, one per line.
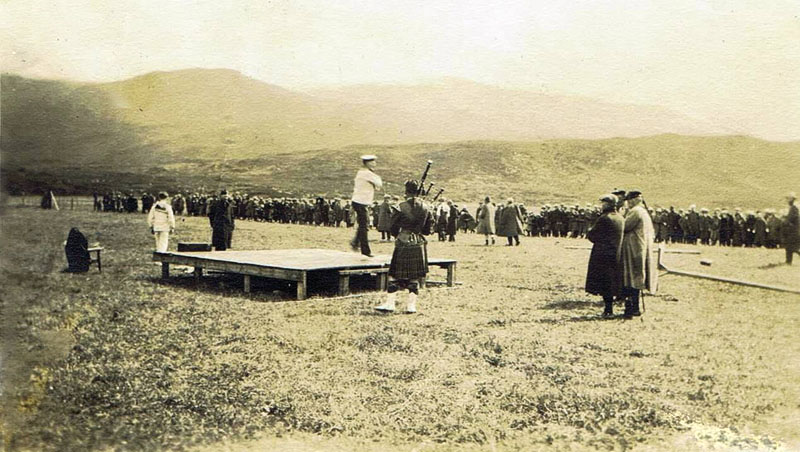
(161, 221)
(363, 193)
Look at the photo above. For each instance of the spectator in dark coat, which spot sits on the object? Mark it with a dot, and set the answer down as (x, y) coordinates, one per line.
(510, 224)
(791, 230)
(452, 221)
(220, 214)
(604, 274)
(385, 219)
(77, 250)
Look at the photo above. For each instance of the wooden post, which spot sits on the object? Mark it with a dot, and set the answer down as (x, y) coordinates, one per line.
(451, 274)
(344, 284)
(723, 279)
(301, 287)
(198, 274)
(71, 203)
(246, 283)
(165, 270)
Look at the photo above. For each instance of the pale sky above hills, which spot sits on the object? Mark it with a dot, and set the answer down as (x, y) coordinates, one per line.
(734, 63)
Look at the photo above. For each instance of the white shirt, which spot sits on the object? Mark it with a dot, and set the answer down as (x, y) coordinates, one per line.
(365, 184)
(161, 217)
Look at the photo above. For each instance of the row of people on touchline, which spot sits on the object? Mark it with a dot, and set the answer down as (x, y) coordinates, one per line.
(694, 226)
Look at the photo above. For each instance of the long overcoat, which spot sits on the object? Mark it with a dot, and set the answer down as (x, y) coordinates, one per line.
(220, 215)
(452, 220)
(384, 217)
(604, 274)
(510, 224)
(486, 219)
(639, 270)
(790, 230)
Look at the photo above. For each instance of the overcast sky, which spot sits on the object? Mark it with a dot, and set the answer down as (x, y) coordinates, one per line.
(735, 63)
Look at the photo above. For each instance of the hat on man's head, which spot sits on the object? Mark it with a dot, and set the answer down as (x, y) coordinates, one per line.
(619, 192)
(412, 187)
(791, 195)
(612, 198)
(387, 196)
(633, 194)
(368, 157)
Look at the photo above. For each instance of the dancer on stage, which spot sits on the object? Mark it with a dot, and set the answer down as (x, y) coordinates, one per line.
(363, 193)
(409, 261)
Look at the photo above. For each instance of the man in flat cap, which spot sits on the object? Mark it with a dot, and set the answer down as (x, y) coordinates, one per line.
(791, 229)
(366, 182)
(604, 273)
(639, 270)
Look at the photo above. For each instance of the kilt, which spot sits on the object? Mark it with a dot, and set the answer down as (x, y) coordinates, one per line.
(408, 259)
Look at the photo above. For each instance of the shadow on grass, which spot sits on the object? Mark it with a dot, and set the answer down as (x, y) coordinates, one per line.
(261, 288)
(230, 285)
(595, 318)
(771, 266)
(571, 304)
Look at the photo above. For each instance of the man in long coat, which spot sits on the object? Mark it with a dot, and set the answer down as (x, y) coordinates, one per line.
(791, 230)
(220, 214)
(639, 270)
(510, 224)
(385, 219)
(452, 221)
(605, 263)
(485, 217)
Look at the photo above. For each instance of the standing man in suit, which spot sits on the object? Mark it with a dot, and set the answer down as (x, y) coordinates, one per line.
(366, 182)
(220, 215)
(791, 230)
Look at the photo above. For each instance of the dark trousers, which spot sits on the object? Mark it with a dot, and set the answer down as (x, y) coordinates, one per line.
(790, 254)
(631, 300)
(361, 237)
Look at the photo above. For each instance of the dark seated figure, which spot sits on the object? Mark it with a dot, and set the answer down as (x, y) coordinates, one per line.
(77, 249)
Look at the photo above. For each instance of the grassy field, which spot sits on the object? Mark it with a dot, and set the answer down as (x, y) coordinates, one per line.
(515, 358)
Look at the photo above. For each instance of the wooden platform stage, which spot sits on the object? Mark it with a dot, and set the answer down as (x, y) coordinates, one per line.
(296, 265)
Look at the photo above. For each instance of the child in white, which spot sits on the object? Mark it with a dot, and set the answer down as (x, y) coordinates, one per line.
(162, 222)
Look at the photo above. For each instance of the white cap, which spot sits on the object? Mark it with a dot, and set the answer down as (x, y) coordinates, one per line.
(368, 157)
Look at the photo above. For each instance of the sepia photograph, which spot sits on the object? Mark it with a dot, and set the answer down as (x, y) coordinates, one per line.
(429, 226)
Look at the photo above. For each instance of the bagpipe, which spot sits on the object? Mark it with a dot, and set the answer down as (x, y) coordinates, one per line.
(422, 191)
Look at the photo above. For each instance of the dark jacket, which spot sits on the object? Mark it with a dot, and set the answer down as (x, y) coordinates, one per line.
(604, 274)
(510, 224)
(222, 223)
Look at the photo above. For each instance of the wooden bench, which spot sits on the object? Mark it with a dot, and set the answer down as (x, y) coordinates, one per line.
(97, 250)
(381, 283)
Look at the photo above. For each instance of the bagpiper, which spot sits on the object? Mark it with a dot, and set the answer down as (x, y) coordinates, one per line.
(410, 222)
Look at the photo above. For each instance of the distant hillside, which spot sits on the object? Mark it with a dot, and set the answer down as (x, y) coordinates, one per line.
(454, 109)
(670, 169)
(203, 129)
(221, 114)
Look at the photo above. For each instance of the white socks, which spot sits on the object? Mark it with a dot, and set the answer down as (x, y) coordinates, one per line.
(391, 301)
(411, 308)
(388, 305)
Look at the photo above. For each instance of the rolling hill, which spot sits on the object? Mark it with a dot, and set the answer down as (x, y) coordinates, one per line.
(207, 128)
(215, 114)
